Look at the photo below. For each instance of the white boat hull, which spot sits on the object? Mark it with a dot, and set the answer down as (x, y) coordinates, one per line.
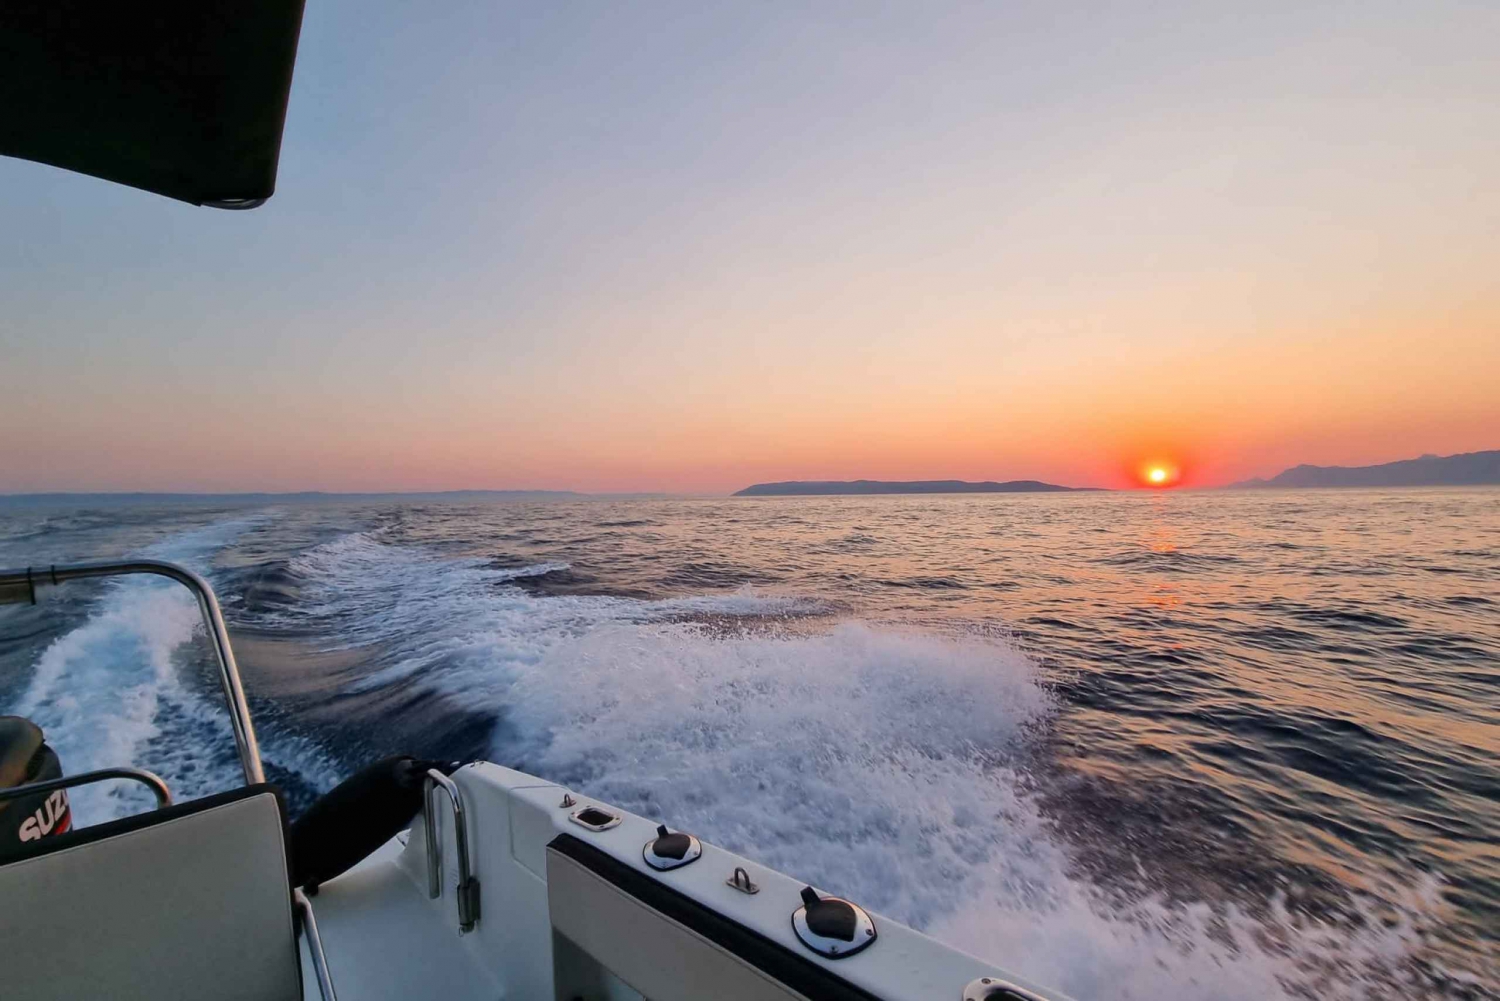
(588, 918)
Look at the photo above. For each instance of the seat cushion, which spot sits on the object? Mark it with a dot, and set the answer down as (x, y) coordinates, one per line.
(189, 902)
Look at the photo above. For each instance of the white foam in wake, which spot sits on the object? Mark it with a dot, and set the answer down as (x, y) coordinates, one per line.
(885, 767)
(872, 763)
(1071, 937)
(452, 623)
(98, 690)
(110, 692)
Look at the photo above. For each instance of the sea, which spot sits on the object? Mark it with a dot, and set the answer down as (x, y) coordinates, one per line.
(1208, 745)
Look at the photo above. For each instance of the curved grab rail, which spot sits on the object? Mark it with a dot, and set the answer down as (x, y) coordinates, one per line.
(314, 945)
(149, 779)
(468, 886)
(20, 586)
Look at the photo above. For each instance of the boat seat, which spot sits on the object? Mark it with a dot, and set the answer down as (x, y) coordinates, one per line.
(192, 901)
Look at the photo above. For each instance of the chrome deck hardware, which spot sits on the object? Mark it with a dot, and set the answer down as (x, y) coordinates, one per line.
(671, 850)
(314, 945)
(832, 927)
(995, 989)
(468, 886)
(740, 880)
(594, 819)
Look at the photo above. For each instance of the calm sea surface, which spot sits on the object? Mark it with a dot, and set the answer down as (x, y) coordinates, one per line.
(1212, 745)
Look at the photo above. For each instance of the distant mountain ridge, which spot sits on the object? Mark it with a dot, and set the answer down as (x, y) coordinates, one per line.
(808, 488)
(1468, 469)
(259, 497)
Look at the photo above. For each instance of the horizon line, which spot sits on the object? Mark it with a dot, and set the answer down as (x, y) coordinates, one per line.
(1253, 482)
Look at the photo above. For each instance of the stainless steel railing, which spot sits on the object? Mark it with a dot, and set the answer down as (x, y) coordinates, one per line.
(314, 945)
(468, 886)
(21, 586)
(150, 780)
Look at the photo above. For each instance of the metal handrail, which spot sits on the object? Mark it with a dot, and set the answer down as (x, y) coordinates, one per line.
(20, 586)
(314, 945)
(468, 886)
(149, 779)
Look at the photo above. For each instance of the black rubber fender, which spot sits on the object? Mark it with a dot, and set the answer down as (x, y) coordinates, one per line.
(356, 817)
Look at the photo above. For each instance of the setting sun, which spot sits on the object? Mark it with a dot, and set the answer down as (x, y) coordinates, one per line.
(1158, 473)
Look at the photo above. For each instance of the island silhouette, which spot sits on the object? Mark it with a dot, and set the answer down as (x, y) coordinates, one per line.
(1467, 469)
(800, 488)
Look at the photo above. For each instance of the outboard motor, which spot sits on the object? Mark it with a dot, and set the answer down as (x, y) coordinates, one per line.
(26, 758)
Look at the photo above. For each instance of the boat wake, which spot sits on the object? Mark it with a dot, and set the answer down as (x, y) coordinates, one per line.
(134, 684)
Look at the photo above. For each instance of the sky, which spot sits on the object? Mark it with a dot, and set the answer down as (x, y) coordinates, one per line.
(686, 247)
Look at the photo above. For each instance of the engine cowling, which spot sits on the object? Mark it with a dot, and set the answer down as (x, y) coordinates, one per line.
(26, 758)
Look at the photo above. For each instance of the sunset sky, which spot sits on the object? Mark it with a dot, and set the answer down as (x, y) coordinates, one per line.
(681, 247)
